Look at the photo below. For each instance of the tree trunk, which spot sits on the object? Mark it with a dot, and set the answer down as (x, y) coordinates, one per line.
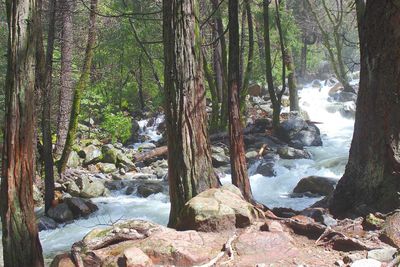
(66, 82)
(190, 169)
(214, 96)
(372, 176)
(249, 68)
(80, 87)
(21, 245)
(303, 60)
(237, 153)
(140, 84)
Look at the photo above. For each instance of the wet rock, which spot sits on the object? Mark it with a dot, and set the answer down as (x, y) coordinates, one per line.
(316, 185)
(135, 129)
(135, 257)
(335, 89)
(316, 84)
(91, 154)
(217, 210)
(161, 172)
(46, 223)
(251, 155)
(73, 160)
(366, 263)
(37, 195)
(288, 152)
(124, 161)
(80, 207)
(93, 189)
(266, 168)
(348, 110)
(73, 189)
(106, 167)
(261, 125)
(148, 189)
(383, 254)
(391, 230)
(345, 96)
(319, 215)
(298, 133)
(61, 213)
(219, 160)
(147, 147)
(110, 154)
(130, 190)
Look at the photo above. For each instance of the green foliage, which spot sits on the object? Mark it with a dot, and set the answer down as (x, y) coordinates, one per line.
(117, 126)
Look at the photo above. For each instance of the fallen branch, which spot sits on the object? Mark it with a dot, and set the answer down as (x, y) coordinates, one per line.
(227, 249)
(155, 153)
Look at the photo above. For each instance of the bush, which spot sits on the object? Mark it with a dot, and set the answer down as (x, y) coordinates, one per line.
(117, 126)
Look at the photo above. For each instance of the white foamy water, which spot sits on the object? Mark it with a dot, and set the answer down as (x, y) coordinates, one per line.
(150, 131)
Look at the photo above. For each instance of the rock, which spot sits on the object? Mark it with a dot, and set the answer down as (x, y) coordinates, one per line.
(122, 159)
(73, 160)
(135, 129)
(316, 185)
(219, 160)
(251, 155)
(366, 263)
(254, 90)
(87, 142)
(335, 89)
(63, 260)
(217, 150)
(110, 154)
(298, 133)
(216, 210)
(147, 147)
(91, 154)
(37, 195)
(106, 167)
(288, 152)
(46, 223)
(348, 110)
(391, 230)
(61, 213)
(345, 96)
(148, 189)
(135, 257)
(129, 190)
(79, 207)
(73, 189)
(319, 215)
(93, 189)
(371, 222)
(316, 84)
(261, 125)
(383, 254)
(82, 181)
(285, 101)
(266, 168)
(161, 172)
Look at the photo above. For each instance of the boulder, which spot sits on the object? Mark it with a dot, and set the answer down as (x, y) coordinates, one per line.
(110, 154)
(344, 96)
(93, 189)
(366, 263)
(266, 168)
(46, 223)
(348, 110)
(148, 189)
(124, 161)
(335, 89)
(80, 207)
(216, 210)
(61, 213)
(288, 152)
(135, 257)
(382, 254)
(62, 260)
(147, 147)
(37, 196)
(298, 133)
(73, 160)
(316, 185)
(254, 90)
(391, 230)
(135, 130)
(73, 189)
(90, 154)
(219, 160)
(106, 167)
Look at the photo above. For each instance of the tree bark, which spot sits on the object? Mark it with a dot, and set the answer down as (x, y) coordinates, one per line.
(21, 245)
(249, 68)
(140, 84)
(372, 177)
(66, 81)
(189, 159)
(237, 153)
(80, 87)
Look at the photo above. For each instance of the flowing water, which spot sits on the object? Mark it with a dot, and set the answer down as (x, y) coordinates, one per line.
(328, 160)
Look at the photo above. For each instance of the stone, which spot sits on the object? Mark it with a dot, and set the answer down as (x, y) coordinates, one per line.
(391, 230)
(316, 185)
(37, 195)
(63, 260)
(383, 254)
(79, 207)
(110, 154)
(372, 222)
(366, 263)
(46, 223)
(145, 190)
(73, 189)
(251, 155)
(82, 181)
(345, 96)
(122, 159)
(106, 167)
(147, 147)
(135, 257)
(288, 152)
(348, 110)
(219, 160)
(93, 189)
(254, 90)
(216, 210)
(335, 89)
(61, 213)
(91, 154)
(73, 160)
(298, 133)
(266, 168)
(129, 190)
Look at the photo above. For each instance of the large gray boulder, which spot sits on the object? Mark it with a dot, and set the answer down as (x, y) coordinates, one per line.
(148, 189)
(110, 154)
(217, 210)
(93, 189)
(316, 185)
(73, 160)
(91, 154)
(46, 223)
(80, 207)
(288, 152)
(61, 213)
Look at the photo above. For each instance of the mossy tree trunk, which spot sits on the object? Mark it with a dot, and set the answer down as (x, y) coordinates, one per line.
(372, 177)
(80, 87)
(190, 168)
(237, 153)
(21, 245)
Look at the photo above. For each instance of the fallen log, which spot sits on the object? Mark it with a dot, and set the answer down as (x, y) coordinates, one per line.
(148, 155)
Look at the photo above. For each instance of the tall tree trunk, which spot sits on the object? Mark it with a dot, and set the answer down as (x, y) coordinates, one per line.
(237, 153)
(80, 87)
(242, 47)
(140, 84)
(303, 60)
(66, 82)
(214, 95)
(372, 176)
(261, 45)
(189, 159)
(249, 68)
(217, 63)
(44, 72)
(21, 245)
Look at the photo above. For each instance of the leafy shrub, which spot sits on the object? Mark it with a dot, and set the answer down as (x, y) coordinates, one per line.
(117, 126)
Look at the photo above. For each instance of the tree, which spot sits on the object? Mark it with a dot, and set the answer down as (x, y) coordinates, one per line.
(190, 169)
(237, 153)
(80, 87)
(21, 245)
(372, 176)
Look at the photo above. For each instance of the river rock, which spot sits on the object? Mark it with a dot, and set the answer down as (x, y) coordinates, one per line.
(106, 167)
(344, 96)
(124, 161)
(61, 213)
(63, 260)
(254, 90)
(391, 230)
(135, 129)
(266, 168)
(219, 160)
(110, 154)
(90, 154)
(316, 185)
(46, 223)
(73, 189)
(288, 152)
(147, 147)
(135, 257)
(366, 263)
(80, 207)
(348, 110)
(298, 133)
(216, 210)
(148, 189)
(335, 89)
(383, 254)
(37, 196)
(73, 160)
(93, 189)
